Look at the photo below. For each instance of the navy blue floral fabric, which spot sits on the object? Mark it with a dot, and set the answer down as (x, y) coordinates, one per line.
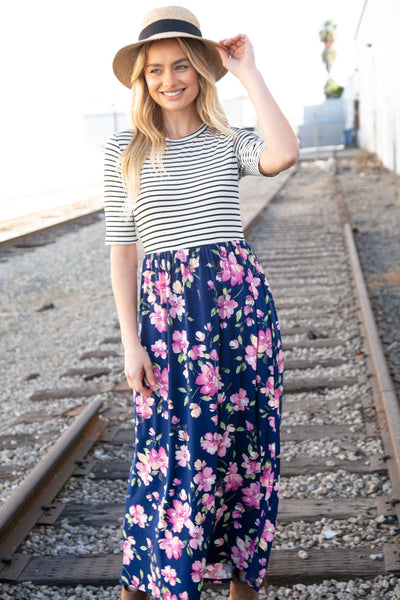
(204, 484)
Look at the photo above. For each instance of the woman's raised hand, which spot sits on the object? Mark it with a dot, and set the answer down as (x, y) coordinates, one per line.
(138, 369)
(239, 55)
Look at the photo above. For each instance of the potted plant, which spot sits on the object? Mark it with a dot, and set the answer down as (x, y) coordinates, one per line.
(327, 35)
(333, 89)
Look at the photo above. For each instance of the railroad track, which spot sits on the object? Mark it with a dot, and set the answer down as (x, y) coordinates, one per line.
(341, 420)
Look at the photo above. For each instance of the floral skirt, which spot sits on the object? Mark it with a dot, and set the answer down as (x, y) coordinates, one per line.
(203, 489)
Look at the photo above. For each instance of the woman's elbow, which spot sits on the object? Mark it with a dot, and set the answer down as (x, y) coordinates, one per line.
(276, 164)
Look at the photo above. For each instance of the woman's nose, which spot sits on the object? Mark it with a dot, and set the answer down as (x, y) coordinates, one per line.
(169, 77)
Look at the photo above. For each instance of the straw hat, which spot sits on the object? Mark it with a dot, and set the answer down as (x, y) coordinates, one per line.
(160, 24)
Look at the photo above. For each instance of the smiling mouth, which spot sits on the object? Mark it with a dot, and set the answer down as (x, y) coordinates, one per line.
(173, 94)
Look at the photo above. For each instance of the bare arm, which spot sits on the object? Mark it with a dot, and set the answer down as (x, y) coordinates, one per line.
(124, 272)
(281, 146)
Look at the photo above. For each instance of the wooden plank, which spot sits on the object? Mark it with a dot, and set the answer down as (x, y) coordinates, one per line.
(298, 385)
(290, 510)
(301, 433)
(99, 354)
(87, 373)
(301, 364)
(304, 465)
(71, 392)
(285, 567)
(321, 343)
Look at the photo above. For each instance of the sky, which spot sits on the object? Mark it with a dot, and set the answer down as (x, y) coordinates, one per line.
(56, 65)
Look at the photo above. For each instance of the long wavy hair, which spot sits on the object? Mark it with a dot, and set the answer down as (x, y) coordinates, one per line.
(148, 138)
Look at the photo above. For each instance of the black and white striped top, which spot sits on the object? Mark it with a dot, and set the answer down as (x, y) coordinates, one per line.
(194, 202)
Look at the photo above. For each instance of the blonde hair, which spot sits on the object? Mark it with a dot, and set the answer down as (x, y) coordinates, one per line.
(148, 129)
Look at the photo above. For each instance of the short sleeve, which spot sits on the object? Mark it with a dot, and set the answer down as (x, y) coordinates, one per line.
(248, 148)
(120, 228)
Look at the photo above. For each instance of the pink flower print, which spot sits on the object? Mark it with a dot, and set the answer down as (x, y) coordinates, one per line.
(169, 574)
(253, 282)
(265, 342)
(209, 443)
(252, 495)
(226, 306)
(182, 456)
(161, 378)
(196, 533)
(248, 310)
(208, 500)
(250, 426)
(128, 552)
(274, 402)
(214, 355)
(211, 285)
(232, 479)
(153, 586)
(251, 464)
(171, 544)
(162, 286)
(158, 318)
(269, 388)
(180, 343)
(200, 336)
(208, 379)
(177, 287)
(143, 406)
(158, 460)
(176, 306)
(208, 327)
(183, 436)
(234, 344)
(187, 274)
(249, 322)
(271, 421)
(159, 349)
(224, 442)
(175, 420)
(197, 351)
(260, 313)
(151, 298)
(205, 479)
(280, 361)
(267, 534)
(251, 356)
(147, 284)
(139, 517)
(144, 471)
(195, 410)
(240, 555)
(178, 516)
(231, 270)
(182, 255)
(198, 570)
(267, 481)
(240, 400)
(272, 449)
(242, 251)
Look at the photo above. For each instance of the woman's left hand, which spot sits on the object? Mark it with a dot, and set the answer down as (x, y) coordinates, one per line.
(239, 55)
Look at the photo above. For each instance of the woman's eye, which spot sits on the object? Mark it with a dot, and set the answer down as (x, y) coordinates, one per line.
(154, 71)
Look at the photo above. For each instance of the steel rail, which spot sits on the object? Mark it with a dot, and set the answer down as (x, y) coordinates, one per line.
(23, 508)
(385, 395)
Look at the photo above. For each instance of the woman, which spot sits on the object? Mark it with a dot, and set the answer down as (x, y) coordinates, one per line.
(206, 366)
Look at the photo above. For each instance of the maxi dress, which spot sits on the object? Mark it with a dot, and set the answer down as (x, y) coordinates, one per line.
(203, 489)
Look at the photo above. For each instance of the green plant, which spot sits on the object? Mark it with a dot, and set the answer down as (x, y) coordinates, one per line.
(327, 35)
(333, 89)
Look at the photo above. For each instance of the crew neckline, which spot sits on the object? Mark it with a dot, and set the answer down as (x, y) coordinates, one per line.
(187, 137)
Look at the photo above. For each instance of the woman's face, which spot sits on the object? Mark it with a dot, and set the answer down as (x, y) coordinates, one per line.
(171, 79)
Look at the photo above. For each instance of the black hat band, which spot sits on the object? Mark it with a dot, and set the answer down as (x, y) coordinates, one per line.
(165, 25)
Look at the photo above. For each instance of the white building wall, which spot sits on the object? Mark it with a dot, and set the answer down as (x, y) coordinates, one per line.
(378, 56)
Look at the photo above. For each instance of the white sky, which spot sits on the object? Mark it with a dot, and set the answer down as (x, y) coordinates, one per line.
(56, 65)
